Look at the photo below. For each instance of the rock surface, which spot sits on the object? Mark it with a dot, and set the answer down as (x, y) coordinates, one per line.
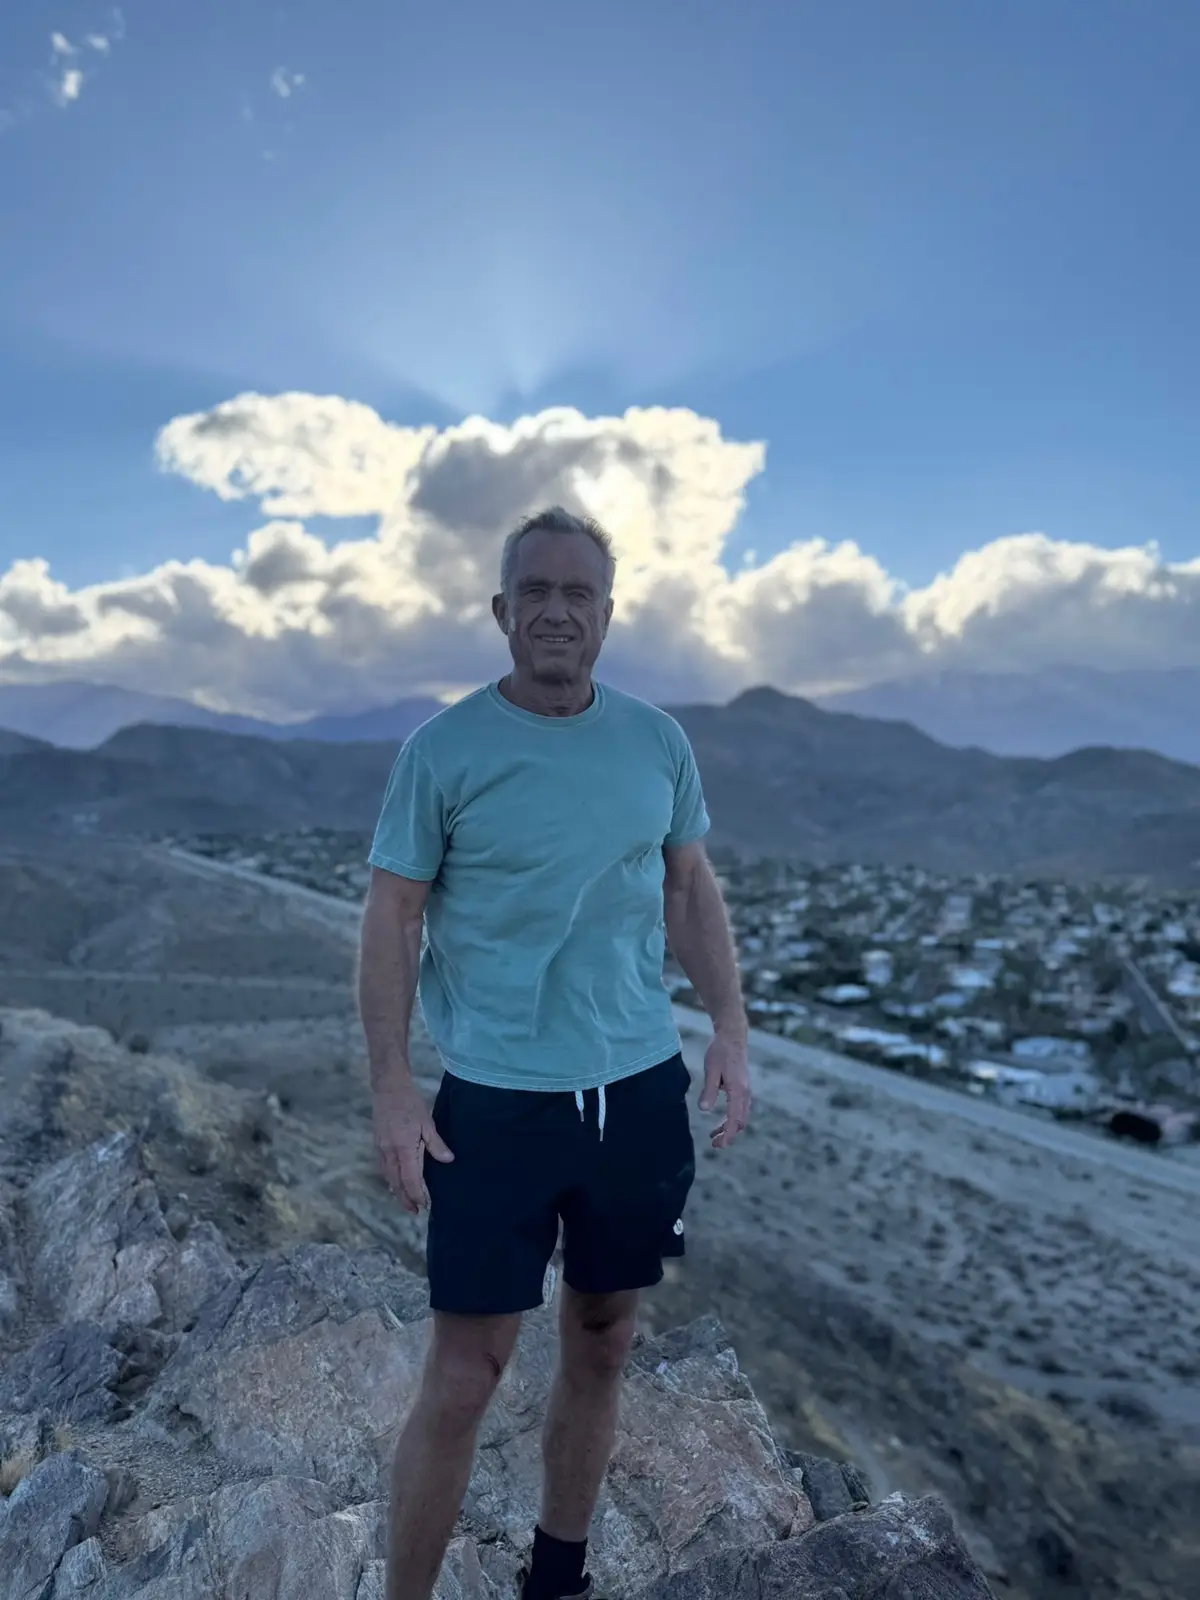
(900, 1550)
(188, 1417)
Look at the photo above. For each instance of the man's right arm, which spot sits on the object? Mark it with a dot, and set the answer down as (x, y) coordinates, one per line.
(388, 964)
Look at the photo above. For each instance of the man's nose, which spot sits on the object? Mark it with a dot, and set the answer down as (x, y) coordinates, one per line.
(555, 608)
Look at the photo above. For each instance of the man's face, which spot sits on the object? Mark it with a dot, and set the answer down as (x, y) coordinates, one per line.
(557, 611)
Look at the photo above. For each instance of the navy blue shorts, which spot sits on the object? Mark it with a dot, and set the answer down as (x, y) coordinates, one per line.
(525, 1160)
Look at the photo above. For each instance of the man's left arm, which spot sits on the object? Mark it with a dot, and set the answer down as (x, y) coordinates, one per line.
(701, 940)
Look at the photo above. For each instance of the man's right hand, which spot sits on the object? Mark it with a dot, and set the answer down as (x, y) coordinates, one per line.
(404, 1130)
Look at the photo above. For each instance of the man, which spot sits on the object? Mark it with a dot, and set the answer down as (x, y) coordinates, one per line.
(541, 832)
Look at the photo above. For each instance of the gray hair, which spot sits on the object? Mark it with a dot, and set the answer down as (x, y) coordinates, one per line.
(557, 520)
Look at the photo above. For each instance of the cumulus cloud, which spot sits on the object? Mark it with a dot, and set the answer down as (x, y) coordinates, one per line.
(35, 605)
(1031, 597)
(295, 624)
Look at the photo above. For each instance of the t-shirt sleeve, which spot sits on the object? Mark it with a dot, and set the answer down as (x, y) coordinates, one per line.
(689, 820)
(410, 836)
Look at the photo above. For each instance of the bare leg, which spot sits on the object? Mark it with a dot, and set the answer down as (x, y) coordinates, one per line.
(581, 1420)
(436, 1450)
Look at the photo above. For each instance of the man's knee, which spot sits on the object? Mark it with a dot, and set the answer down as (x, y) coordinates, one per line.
(467, 1359)
(598, 1332)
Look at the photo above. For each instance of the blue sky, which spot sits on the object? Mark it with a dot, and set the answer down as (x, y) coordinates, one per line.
(939, 256)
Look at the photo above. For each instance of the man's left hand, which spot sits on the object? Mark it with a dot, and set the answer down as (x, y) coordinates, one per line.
(727, 1069)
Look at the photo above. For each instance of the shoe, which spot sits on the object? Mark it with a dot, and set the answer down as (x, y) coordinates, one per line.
(588, 1592)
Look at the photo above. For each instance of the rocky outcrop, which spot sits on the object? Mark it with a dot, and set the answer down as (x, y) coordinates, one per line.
(182, 1418)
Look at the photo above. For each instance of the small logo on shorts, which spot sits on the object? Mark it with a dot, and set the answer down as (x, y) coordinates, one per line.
(678, 1229)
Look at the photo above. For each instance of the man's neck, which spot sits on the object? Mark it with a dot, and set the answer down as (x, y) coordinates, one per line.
(547, 699)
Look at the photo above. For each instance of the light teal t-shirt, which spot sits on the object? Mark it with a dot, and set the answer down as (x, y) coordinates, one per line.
(542, 839)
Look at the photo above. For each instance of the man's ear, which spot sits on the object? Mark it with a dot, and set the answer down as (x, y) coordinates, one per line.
(608, 608)
(500, 611)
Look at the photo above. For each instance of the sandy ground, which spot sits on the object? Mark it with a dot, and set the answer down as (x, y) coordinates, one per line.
(954, 1294)
(1072, 1270)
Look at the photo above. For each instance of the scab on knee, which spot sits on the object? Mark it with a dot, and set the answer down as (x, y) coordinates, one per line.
(463, 1373)
(604, 1338)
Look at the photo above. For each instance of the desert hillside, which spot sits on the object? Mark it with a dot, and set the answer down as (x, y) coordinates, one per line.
(915, 1285)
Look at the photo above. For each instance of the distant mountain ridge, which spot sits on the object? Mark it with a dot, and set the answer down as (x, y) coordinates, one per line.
(81, 716)
(1044, 713)
(782, 776)
(13, 744)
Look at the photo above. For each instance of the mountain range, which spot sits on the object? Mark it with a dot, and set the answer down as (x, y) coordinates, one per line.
(81, 716)
(783, 777)
(1044, 713)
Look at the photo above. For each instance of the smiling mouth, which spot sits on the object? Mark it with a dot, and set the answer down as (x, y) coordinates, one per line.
(554, 638)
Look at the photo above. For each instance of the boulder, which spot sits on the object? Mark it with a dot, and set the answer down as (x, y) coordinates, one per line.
(55, 1506)
(832, 1487)
(284, 1538)
(100, 1249)
(9, 1269)
(311, 1371)
(900, 1550)
(73, 1372)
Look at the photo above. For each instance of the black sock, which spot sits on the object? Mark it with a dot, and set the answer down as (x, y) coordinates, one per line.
(556, 1568)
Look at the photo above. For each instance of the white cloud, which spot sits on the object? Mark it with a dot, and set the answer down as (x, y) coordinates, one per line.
(67, 79)
(62, 80)
(69, 86)
(35, 604)
(285, 83)
(294, 624)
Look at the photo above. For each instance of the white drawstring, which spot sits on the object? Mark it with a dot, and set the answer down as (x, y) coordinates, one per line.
(601, 1107)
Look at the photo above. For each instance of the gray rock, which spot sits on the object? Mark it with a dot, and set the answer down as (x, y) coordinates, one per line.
(232, 1426)
(322, 1400)
(81, 1569)
(305, 1367)
(97, 1238)
(10, 1295)
(10, 1302)
(58, 1504)
(311, 1373)
(27, 1438)
(71, 1373)
(466, 1575)
(284, 1538)
(101, 1249)
(200, 1267)
(293, 1289)
(902, 1550)
(695, 1469)
(83, 1372)
(833, 1487)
